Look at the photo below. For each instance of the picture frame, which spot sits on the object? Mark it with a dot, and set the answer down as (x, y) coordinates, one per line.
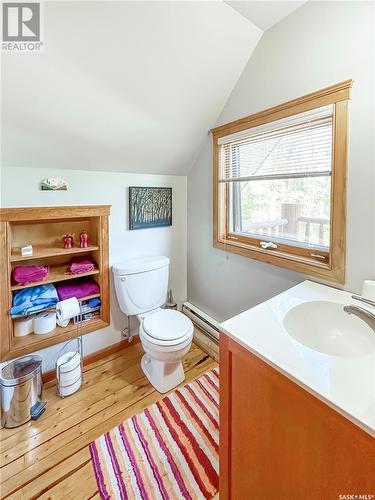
(149, 207)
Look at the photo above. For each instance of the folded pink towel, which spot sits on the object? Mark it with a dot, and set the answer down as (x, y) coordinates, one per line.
(22, 275)
(74, 288)
(81, 266)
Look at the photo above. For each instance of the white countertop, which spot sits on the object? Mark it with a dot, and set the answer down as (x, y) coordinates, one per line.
(347, 384)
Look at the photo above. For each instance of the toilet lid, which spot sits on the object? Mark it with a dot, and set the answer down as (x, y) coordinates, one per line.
(167, 324)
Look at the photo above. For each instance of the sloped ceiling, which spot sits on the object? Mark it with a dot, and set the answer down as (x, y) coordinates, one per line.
(122, 86)
(265, 13)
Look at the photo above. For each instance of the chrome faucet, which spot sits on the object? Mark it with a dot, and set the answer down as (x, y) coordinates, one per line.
(365, 301)
(362, 314)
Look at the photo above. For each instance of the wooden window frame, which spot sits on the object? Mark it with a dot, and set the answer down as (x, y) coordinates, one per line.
(328, 265)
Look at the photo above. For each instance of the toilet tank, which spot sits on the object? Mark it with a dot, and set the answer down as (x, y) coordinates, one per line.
(141, 284)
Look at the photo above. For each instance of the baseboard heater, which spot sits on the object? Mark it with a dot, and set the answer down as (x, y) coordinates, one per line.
(209, 325)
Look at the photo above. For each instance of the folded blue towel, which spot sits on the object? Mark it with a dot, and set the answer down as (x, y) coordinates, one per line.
(94, 302)
(33, 299)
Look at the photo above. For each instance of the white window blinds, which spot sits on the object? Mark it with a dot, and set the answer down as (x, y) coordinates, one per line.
(297, 146)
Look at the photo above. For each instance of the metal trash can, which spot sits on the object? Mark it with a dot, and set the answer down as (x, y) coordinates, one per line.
(21, 390)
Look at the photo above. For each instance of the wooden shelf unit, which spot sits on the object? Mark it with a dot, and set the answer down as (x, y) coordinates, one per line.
(44, 228)
(41, 252)
(35, 342)
(55, 274)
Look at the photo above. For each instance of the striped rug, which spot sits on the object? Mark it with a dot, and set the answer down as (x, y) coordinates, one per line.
(168, 451)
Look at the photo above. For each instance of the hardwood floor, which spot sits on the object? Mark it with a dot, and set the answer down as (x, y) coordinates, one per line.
(49, 458)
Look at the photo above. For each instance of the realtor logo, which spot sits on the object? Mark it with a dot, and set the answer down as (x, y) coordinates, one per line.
(21, 22)
(21, 27)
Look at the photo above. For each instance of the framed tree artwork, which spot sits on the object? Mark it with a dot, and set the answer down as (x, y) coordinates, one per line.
(150, 207)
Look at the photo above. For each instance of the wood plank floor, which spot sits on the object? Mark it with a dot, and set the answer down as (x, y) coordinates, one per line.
(49, 458)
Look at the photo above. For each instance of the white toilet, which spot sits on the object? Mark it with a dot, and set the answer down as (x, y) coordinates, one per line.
(166, 335)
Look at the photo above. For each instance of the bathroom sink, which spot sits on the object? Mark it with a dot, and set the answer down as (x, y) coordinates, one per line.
(325, 327)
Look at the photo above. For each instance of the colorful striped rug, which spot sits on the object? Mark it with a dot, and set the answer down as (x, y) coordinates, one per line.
(168, 451)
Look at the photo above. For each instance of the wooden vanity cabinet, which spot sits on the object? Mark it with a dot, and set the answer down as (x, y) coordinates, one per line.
(279, 442)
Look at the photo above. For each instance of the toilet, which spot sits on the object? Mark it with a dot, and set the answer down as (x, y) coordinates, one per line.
(141, 286)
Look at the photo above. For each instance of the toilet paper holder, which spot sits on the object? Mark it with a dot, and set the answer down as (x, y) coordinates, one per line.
(64, 390)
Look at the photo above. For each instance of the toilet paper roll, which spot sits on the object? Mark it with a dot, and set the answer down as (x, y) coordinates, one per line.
(70, 377)
(62, 322)
(69, 373)
(44, 323)
(69, 361)
(368, 290)
(67, 309)
(23, 326)
(71, 389)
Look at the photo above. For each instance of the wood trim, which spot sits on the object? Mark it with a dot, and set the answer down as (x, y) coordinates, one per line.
(48, 213)
(339, 182)
(216, 187)
(104, 268)
(282, 248)
(5, 321)
(44, 252)
(225, 417)
(293, 257)
(328, 95)
(123, 344)
(290, 261)
(95, 356)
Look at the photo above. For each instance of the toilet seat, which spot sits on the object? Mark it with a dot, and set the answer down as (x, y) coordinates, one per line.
(167, 327)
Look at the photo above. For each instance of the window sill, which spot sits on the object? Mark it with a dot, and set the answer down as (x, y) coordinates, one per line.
(301, 264)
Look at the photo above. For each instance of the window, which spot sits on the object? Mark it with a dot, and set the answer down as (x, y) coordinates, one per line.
(279, 184)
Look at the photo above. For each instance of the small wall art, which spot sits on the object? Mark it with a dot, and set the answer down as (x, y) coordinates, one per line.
(53, 184)
(150, 207)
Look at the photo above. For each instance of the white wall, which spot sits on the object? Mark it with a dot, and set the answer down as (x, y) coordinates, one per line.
(320, 44)
(20, 187)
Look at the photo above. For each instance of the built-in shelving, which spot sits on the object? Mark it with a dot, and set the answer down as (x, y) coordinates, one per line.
(55, 274)
(45, 228)
(35, 342)
(88, 297)
(41, 252)
(53, 308)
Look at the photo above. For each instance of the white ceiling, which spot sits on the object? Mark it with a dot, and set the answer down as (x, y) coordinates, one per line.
(122, 86)
(265, 13)
(126, 86)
